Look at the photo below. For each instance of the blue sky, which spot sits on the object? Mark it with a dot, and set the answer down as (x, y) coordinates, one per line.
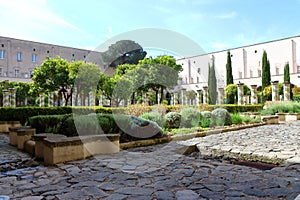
(213, 24)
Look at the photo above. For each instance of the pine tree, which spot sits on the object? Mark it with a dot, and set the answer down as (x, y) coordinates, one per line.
(229, 77)
(286, 77)
(212, 84)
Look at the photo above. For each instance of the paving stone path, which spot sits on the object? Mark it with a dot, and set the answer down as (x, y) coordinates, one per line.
(270, 142)
(156, 172)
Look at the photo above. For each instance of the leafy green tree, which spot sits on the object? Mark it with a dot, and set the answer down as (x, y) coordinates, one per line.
(266, 74)
(286, 77)
(212, 84)
(162, 73)
(191, 96)
(123, 52)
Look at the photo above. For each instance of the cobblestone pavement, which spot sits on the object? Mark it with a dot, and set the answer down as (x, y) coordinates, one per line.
(273, 142)
(156, 172)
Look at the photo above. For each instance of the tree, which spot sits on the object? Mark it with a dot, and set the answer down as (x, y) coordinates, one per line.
(212, 84)
(123, 52)
(286, 77)
(229, 77)
(266, 74)
(162, 73)
(191, 96)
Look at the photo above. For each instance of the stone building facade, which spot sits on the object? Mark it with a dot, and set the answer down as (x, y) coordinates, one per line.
(18, 57)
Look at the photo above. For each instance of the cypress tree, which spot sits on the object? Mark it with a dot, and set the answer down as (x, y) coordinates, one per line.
(266, 74)
(286, 77)
(229, 77)
(212, 84)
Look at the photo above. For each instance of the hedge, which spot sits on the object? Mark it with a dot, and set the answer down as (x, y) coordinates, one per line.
(23, 114)
(133, 128)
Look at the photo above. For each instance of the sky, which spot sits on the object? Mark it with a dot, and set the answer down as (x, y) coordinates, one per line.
(213, 24)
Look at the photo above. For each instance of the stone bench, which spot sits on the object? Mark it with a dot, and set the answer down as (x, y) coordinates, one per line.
(4, 125)
(288, 117)
(39, 144)
(13, 134)
(273, 119)
(63, 149)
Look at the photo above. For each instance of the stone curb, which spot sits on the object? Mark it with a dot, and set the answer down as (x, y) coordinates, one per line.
(143, 143)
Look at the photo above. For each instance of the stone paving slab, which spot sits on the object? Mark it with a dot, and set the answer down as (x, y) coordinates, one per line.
(156, 172)
(270, 143)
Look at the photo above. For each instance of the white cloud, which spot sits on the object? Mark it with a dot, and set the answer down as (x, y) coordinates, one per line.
(230, 15)
(219, 46)
(33, 20)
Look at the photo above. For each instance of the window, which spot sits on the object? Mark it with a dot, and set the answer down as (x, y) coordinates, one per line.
(277, 70)
(197, 79)
(19, 56)
(298, 69)
(0, 71)
(2, 54)
(251, 73)
(33, 58)
(17, 73)
(259, 72)
(199, 70)
(192, 80)
(240, 74)
(31, 74)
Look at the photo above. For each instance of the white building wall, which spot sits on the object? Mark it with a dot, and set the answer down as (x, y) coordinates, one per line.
(247, 63)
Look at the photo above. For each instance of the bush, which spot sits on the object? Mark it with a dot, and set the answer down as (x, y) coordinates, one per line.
(233, 108)
(137, 109)
(236, 118)
(221, 117)
(46, 123)
(282, 107)
(296, 97)
(190, 117)
(154, 116)
(172, 120)
(205, 122)
(206, 114)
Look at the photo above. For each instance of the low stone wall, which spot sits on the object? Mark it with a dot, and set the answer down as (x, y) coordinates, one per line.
(5, 125)
(273, 119)
(63, 149)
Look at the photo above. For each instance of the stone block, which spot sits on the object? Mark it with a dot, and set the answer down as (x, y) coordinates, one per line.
(23, 135)
(63, 149)
(4, 125)
(39, 145)
(29, 147)
(13, 134)
(273, 119)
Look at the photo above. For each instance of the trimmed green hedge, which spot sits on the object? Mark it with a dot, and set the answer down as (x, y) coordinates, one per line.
(133, 128)
(23, 114)
(233, 108)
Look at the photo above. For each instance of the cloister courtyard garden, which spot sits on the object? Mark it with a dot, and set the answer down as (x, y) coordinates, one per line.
(80, 132)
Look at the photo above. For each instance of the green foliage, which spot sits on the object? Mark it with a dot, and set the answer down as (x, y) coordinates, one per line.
(286, 107)
(206, 114)
(123, 52)
(212, 84)
(267, 93)
(221, 117)
(266, 73)
(236, 118)
(296, 97)
(286, 77)
(190, 117)
(191, 95)
(231, 93)
(205, 122)
(229, 77)
(46, 123)
(233, 108)
(172, 120)
(153, 116)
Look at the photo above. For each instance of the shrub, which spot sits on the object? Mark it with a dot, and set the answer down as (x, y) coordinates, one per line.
(205, 122)
(233, 108)
(236, 118)
(172, 120)
(206, 114)
(137, 109)
(280, 107)
(161, 109)
(190, 117)
(46, 123)
(221, 117)
(153, 116)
